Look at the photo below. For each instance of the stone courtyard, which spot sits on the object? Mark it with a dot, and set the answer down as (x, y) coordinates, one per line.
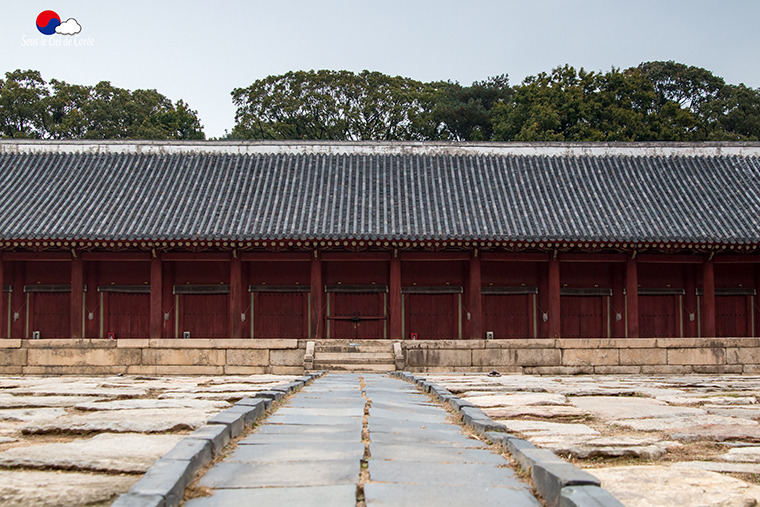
(86, 440)
(659, 440)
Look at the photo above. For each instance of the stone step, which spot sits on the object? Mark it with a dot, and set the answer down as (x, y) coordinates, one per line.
(352, 350)
(380, 367)
(353, 357)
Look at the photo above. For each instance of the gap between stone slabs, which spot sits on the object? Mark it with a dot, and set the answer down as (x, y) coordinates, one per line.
(559, 483)
(166, 481)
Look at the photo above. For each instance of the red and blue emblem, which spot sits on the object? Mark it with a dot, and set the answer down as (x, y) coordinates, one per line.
(47, 21)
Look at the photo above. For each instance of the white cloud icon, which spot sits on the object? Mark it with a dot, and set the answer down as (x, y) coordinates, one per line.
(68, 27)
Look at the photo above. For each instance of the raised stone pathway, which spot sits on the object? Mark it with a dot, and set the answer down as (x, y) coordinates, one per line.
(311, 451)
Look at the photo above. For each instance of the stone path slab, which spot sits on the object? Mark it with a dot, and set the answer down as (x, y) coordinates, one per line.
(116, 453)
(123, 421)
(311, 452)
(31, 488)
(611, 408)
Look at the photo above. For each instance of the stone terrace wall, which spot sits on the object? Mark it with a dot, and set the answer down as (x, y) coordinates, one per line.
(151, 357)
(242, 357)
(576, 356)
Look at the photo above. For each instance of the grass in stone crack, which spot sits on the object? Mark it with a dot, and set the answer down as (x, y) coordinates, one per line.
(194, 490)
(364, 477)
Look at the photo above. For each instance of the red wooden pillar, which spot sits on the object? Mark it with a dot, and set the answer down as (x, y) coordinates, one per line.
(756, 300)
(708, 299)
(92, 325)
(554, 309)
(18, 301)
(617, 301)
(475, 298)
(688, 323)
(77, 280)
(236, 294)
(632, 295)
(316, 290)
(156, 295)
(3, 308)
(394, 289)
(168, 301)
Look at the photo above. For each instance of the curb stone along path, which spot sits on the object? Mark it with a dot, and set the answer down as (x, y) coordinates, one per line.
(559, 483)
(163, 485)
(311, 452)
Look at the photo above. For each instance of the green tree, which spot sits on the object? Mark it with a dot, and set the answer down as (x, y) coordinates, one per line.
(22, 109)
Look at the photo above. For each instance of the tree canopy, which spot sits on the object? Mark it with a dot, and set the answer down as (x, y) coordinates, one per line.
(32, 108)
(655, 101)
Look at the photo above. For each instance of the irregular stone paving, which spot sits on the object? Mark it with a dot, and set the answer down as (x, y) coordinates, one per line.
(311, 452)
(678, 434)
(71, 441)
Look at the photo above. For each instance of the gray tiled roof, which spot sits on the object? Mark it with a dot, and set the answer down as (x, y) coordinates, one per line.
(206, 196)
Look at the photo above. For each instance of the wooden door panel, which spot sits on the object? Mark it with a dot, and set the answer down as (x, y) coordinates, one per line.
(508, 315)
(126, 315)
(432, 316)
(364, 308)
(205, 315)
(49, 313)
(280, 314)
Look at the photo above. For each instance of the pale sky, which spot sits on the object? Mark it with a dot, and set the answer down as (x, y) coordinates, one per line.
(199, 51)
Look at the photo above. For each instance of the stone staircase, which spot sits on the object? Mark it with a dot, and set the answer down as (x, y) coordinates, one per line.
(353, 355)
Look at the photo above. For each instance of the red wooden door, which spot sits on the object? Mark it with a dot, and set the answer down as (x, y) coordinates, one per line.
(508, 315)
(205, 315)
(126, 315)
(49, 313)
(731, 316)
(4, 314)
(582, 317)
(658, 316)
(357, 316)
(280, 314)
(432, 316)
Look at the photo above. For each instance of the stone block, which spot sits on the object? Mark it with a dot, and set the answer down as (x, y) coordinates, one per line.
(498, 358)
(184, 357)
(132, 343)
(442, 358)
(13, 357)
(286, 357)
(458, 403)
(527, 343)
(666, 369)
(643, 356)
(248, 357)
(67, 343)
(549, 478)
(138, 500)
(750, 355)
(84, 357)
(166, 478)
(9, 343)
(270, 394)
(217, 434)
(234, 419)
(286, 370)
(245, 370)
(11, 370)
(189, 370)
(527, 457)
(195, 451)
(517, 445)
(607, 343)
(74, 370)
(717, 368)
(715, 355)
(443, 344)
(260, 404)
(617, 370)
(751, 368)
(587, 496)
(593, 357)
(251, 413)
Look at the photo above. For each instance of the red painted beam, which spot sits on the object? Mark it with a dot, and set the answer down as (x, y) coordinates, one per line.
(347, 257)
(317, 314)
(195, 256)
(275, 256)
(632, 296)
(737, 259)
(435, 256)
(592, 257)
(669, 259)
(554, 300)
(475, 299)
(156, 295)
(115, 256)
(236, 294)
(394, 294)
(708, 299)
(37, 256)
(514, 257)
(3, 310)
(77, 280)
